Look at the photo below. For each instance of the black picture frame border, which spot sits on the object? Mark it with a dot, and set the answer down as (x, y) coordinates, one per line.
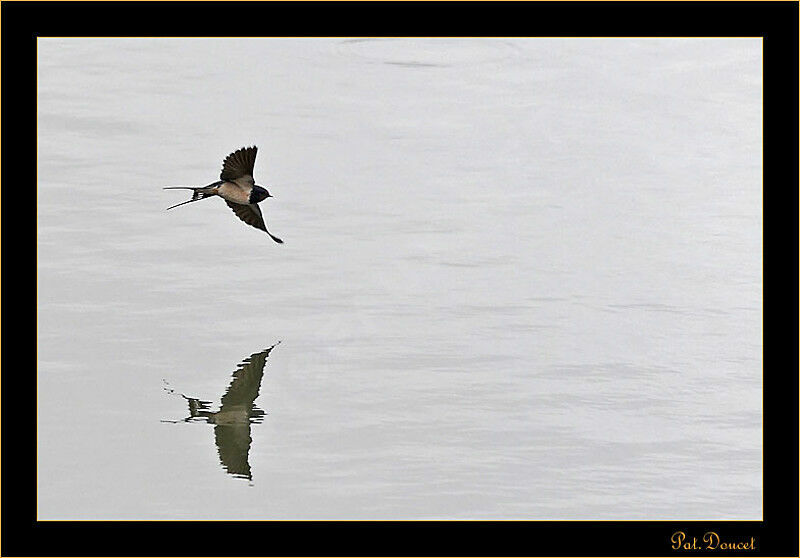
(776, 22)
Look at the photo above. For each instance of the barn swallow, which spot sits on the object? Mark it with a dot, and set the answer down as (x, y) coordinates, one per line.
(237, 187)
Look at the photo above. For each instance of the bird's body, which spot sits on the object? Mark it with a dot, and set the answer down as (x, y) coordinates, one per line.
(238, 188)
(232, 192)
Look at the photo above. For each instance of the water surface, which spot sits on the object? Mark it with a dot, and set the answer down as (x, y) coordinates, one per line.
(521, 279)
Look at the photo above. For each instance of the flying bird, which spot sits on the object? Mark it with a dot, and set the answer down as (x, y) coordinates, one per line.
(237, 187)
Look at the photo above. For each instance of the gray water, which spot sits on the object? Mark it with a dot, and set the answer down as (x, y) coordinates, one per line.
(521, 279)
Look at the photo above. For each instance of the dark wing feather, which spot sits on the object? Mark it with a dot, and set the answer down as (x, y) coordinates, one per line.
(250, 214)
(233, 446)
(246, 382)
(239, 163)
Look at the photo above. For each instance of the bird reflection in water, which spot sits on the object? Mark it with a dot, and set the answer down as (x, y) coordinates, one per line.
(236, 413)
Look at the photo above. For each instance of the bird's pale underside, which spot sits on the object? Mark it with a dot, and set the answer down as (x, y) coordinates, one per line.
(238, 188)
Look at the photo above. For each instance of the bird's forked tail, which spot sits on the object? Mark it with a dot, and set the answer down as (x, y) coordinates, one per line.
(198, 194)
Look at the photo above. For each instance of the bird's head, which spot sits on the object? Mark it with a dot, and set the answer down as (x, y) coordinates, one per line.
(258, 194)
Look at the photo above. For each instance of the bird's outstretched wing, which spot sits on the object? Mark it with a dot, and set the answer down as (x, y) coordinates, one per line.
(251, 214)
(239, 163)
(233, 446)
(246, 381)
